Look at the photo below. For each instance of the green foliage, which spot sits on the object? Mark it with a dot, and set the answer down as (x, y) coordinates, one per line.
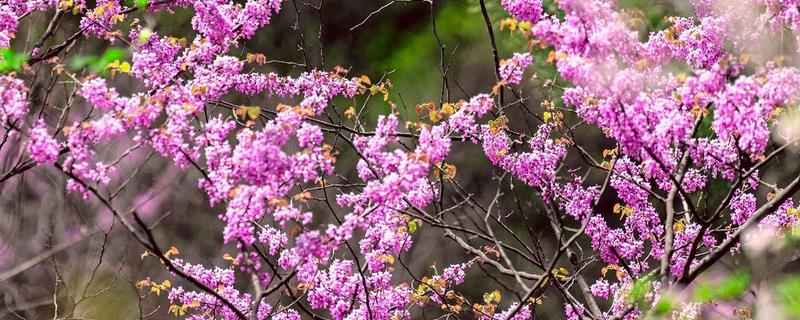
(98, 64)
(639, 290)
(731, 287)
(788, 291)
(141, 4)
(247, 113)
(664, 306)
(12, 61)
(492, 297)
(145, 35)
(412, 226)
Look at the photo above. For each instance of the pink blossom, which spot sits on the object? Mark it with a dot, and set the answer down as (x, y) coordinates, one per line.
(42, 147)
(524, 10)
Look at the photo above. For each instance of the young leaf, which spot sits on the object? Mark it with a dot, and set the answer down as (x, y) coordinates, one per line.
(141, 4)
(12, 61)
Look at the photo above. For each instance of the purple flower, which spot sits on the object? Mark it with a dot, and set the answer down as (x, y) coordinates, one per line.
(511, 70)
(42, 147)
(524, 10)
(13, 99)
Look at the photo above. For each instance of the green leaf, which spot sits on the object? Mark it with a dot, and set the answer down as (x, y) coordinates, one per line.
(141, 4)
(108, 57)
(253, 112)
(488, 297)
(12, 61)
(81, 62)
(112, 56)
(493, 297)
(639, 291)
(664, 306)
(731, 288)
(412, 226)
(247, 113)
(703, 293)
(734, 286)
(787, 290)
(145, 35)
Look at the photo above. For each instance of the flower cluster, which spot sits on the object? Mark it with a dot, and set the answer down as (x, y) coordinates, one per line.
(511, 70)
(11, 10)
(222, 281)
(685, 109)
(42, 147)
(103, 18)
(524, 10)
(13, 98)
(8, 25)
